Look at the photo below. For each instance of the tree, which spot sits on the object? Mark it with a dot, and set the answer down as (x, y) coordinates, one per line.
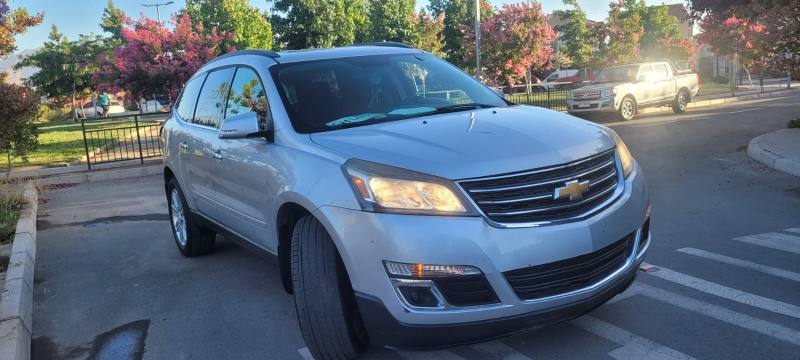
(302, 24)
(391, 20)
(65, 67)
(515, 39)
(429, 32)
(18, 108)
(575, 34)
(679, 51)
(617, 40)
(252, 29)
(111, 22)
(457, 13)
(13, 23)
(729, 35)
(157, 60)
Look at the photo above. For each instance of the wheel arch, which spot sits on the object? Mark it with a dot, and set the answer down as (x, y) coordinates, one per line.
(686, 90)
(286, 218)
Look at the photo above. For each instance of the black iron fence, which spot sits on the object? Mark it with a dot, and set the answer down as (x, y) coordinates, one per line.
(550, 96)
(122, 138)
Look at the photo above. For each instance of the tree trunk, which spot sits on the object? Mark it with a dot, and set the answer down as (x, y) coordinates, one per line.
(746, 70)
(8, 170)
(74, 107)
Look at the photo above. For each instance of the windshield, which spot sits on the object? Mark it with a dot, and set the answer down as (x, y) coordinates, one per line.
(617, 74)
(332, 94)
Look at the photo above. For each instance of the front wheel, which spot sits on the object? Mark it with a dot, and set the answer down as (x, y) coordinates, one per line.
(324, 299)
(627, 109)
(680, 103)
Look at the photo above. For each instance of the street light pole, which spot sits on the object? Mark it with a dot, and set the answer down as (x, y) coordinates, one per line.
(478, 38)
(158, 9)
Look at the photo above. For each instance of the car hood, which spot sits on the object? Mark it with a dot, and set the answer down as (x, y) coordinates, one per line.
(472, 143)
(602, 86)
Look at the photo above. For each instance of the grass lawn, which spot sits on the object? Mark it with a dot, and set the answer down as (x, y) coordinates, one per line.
(711, 89)
(62, 141)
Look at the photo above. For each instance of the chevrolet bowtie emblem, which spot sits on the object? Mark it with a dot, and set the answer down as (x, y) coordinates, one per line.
(573, 189)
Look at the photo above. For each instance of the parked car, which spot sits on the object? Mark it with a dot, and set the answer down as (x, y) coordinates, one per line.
(397, 218)
(580, 79)
(625, 89)
(93, 109)
(555, 77)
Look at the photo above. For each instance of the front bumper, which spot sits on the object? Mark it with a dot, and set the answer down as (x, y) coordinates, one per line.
(366, 239)
(609, 104)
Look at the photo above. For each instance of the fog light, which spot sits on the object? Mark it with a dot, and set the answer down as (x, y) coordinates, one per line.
(419, 296)
(423, 270)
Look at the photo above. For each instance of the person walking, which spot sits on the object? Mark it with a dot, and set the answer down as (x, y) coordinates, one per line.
(104, 104)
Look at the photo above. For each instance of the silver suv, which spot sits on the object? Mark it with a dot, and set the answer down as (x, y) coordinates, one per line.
(405, 203)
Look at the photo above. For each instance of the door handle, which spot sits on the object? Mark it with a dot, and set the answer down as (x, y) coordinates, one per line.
(217, 155)
(183, 146)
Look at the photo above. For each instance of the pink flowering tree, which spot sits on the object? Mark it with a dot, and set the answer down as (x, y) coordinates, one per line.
(157, 60)
(680, 50)
(516, 38)
(428, 29)
(730, 35)
(617, 41)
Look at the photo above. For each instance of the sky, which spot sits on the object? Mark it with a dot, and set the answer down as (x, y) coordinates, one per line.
(74, 17)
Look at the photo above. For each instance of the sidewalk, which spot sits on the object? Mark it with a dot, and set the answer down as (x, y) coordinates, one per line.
(744, 90)
(779, 150)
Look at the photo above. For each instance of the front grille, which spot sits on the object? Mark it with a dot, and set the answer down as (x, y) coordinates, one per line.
(586, 95)
(466, 290)
(530, 196)
(571, 274)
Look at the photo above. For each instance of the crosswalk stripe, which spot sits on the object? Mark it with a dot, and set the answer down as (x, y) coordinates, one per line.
(720, 313)
(305, 354)
(727, 292)
(429, 355)
(793, 230)
(742, 263)
(498, 350)
(633, 346)
(773, 240)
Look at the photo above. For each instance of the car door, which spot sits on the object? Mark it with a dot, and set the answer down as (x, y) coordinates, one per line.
(665, 82)
(646, 91)
(245, 192)
(198, 144)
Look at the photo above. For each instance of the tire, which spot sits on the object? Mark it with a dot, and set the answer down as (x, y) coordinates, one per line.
(627, 108)
(191, 239)
(681, 102)
(324, 299)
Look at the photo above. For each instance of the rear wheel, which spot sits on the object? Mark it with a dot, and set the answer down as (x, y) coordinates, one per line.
(627, 109)
(681, 102)
(324, 299)
(192, 240)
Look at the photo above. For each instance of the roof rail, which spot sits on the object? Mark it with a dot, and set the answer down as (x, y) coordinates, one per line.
(267, 53)
(386, 43)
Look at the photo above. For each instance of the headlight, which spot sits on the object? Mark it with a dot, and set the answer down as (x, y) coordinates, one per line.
(608, 93)
(625, 158)
(383, 188)
(569, 95)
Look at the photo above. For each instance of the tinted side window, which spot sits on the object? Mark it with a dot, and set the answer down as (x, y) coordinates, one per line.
(661, 71)
(189, 98)
(247, 94)
(211, 102)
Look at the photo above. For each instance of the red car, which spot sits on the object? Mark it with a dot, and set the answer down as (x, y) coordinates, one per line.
(580, 78)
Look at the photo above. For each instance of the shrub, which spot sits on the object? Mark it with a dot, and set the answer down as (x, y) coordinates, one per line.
(11, 201)
(721, 80)
(793, 124)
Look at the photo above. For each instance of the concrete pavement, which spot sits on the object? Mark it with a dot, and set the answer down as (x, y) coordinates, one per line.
(779, 150)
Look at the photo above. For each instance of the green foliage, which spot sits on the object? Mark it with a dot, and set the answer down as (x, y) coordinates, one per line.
(429, 31)
(252, 28)
(11, 201)
(793, 124)
(111, 22)
(303, 24)
(575, 35)
(391, 20)
(617, 40)
(66, 67)
(18, 108)
(457, 13)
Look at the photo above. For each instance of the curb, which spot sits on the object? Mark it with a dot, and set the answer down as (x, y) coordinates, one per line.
(103, 175)
(16, 307)
(775, 161)
(701, 103)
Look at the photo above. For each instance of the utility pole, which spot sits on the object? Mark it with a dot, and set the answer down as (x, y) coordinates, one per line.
(158, 8)
(478, 39)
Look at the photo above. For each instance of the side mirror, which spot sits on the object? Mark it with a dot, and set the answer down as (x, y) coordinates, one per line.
(243, 126)
(499, 92)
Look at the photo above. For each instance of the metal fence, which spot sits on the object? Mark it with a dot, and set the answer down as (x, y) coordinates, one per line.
(117, 139)
(551, 96)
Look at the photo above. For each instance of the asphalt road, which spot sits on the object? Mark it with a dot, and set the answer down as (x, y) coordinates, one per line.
(110, 283)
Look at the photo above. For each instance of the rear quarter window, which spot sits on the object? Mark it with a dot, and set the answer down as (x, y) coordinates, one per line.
(189, 98)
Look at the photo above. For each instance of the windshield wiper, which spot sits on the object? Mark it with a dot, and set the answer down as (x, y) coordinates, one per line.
(454, 108)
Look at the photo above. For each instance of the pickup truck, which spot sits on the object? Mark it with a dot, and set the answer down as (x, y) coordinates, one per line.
(626, 88)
